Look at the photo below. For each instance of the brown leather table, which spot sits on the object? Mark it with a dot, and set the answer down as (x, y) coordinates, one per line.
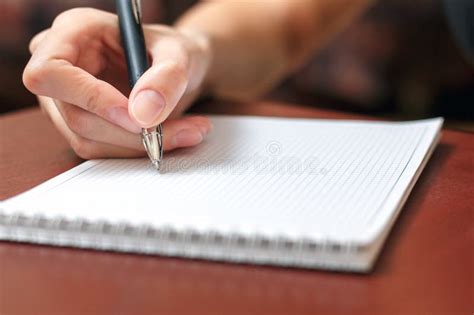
(426, 266)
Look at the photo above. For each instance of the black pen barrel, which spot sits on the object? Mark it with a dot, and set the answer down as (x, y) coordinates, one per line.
(133, 40)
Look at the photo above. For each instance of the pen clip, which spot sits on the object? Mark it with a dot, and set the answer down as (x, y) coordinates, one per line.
(137, 10)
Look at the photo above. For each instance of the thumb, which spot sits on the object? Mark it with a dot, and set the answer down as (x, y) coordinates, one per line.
(157, 92)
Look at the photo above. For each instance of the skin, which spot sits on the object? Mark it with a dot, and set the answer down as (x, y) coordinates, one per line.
(78, 70)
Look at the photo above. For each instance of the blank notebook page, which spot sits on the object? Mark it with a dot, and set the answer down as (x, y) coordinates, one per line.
(322, 180)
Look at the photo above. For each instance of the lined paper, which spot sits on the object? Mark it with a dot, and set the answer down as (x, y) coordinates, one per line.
(297, 178)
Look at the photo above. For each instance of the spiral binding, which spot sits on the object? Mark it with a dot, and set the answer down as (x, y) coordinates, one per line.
(168, 241)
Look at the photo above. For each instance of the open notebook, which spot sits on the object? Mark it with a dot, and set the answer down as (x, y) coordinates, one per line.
(298, 192)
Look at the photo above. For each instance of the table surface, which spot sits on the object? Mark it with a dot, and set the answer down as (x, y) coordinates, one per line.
(426, 266)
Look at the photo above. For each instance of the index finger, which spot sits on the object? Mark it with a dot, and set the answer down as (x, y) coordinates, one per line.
(52, 72)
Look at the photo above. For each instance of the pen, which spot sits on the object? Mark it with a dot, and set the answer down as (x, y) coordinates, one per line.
(133, 42)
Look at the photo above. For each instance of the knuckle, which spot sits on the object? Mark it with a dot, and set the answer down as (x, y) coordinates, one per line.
(92, 103)
(34, 74)
(74, 14)
(200, 118)
(65, 16)
(75, 120)
(34, 42)
(82, 149)
(177, 70)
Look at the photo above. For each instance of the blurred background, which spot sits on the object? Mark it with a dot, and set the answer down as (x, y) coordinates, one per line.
(399, 60)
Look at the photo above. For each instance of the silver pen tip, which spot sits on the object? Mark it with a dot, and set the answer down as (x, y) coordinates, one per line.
(153, 142)
(156, 164)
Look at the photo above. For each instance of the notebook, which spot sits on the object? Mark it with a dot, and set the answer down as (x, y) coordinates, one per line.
(279, 191)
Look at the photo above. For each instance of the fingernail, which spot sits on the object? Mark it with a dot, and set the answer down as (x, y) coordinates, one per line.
(120, 116)
(186, 137)
(147, 106)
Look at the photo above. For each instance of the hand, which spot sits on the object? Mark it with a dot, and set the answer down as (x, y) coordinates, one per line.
(78, 71)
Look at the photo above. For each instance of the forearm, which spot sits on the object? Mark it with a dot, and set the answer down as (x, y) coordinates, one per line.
(256, 43)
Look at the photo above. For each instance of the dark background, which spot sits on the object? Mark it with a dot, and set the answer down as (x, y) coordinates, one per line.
(398, 61)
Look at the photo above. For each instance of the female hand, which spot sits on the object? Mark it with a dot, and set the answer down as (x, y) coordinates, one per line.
(78, 71)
